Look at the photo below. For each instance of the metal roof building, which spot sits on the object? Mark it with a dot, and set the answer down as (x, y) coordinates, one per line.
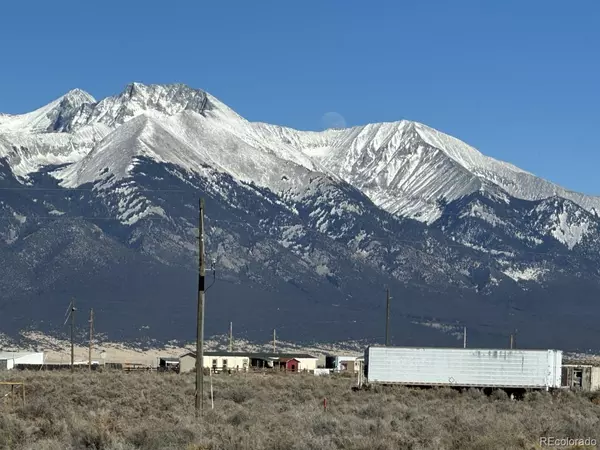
(9, 360)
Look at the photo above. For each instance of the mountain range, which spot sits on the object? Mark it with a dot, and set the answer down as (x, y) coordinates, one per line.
(304, 231)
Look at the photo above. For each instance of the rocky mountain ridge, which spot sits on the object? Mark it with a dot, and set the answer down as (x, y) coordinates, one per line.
(100, 200)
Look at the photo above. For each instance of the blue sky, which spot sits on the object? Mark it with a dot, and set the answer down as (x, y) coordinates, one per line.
(520, 80)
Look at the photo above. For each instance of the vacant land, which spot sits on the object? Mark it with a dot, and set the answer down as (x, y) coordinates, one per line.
(122, 411)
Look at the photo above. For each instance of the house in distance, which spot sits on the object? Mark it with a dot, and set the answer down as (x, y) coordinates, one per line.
(10, 360)
(224, 361)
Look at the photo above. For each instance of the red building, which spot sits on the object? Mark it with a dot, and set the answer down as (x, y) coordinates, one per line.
(290, 365)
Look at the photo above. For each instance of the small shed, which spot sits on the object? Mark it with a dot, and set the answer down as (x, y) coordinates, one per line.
(261, 361)
(290, 364)
(342, 363)
(321, 361)
(306, 362)
(187, 362)
(585, 377)
(168, 363)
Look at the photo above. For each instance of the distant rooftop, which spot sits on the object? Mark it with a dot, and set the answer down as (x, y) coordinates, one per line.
(255, 355)
(581, 362)
(14, 355)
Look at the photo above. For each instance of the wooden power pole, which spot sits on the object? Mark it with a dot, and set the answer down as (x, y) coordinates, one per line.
(465, 337)
(274, 342)
(511, 340)
(72, 333)
(199, 394)
(230, 337)
(91, 338)
(387, 319)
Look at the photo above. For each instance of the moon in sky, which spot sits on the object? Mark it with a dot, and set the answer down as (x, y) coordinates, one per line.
(333, 120)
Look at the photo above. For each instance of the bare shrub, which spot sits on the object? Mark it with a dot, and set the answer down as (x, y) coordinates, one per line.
(127, 411)
(12, 432)
(499, 394)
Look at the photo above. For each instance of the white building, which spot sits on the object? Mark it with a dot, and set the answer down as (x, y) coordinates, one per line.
(341, 363)
(217, 361)
(222, 361)
(9, 360)
(307, 363)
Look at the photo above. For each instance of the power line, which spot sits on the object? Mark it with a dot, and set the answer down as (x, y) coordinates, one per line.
(58, 216)
(379, 239)
(182, 191)
(71, 314)
(389, 238)
(214, 272)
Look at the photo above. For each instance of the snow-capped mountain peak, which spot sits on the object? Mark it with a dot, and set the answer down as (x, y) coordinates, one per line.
(78, 96)
(303, 218)
(138, 98)
(404, 167)
(407, 167)
(48, 118)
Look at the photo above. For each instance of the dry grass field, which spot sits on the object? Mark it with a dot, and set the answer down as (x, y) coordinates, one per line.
(123, 411)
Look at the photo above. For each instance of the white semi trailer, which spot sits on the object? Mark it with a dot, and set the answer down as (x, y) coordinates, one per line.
(463, 367)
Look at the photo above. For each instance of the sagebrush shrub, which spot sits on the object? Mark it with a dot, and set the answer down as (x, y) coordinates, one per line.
(127, 411)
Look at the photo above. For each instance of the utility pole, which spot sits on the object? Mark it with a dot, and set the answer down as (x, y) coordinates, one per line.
(387, 319)
(72, 332)
(511, 340)
(465, 337)
(199, 394)
(230, 337)
(91, 338)
(274, 341)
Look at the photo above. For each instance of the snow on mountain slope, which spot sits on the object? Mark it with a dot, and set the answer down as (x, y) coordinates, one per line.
(514, 181)
(389, 162)
(34, 140)
(564, 221)
(207, 133)
(398, 171)
(190, 141)
(138, 98)
(28, 152)
(67, 129)
(408, 168)
(404, 167)
(47, 118)
(287, 211)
